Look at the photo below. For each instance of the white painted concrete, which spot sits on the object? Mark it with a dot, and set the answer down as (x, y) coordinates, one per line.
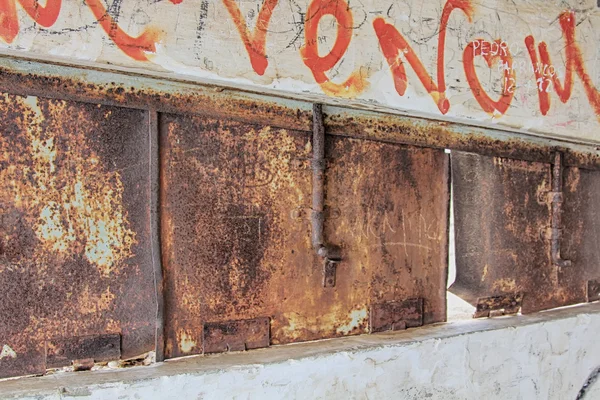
(545, 356)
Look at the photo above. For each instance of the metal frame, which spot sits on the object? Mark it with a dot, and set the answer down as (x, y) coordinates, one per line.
(53, 80)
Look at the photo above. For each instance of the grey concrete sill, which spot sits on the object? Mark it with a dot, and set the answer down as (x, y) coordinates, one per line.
(78, 383)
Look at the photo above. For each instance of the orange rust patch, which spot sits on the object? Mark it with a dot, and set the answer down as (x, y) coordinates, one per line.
(71, 210)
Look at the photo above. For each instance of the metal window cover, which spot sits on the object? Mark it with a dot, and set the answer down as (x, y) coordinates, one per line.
(236, 234)
(74, 228)
(501, 213)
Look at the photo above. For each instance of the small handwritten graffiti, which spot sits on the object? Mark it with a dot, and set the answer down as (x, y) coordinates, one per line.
(486, 50)
(393, 45)
(404, 231)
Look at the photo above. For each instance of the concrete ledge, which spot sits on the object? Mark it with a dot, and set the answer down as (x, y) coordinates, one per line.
(549, 355)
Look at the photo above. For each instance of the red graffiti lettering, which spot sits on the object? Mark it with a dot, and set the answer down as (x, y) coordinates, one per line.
(574, 63)
(483, 48)
(46, 16)
(9, 20)
(340, 10)
(392, 44)
(255, 41)
(134, 47)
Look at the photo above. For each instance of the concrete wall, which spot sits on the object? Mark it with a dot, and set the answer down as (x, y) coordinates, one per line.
(545, 356)
(478, 62)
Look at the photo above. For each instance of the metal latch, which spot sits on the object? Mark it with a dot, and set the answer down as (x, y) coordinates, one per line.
(240, 335)
(396, 315)
(82, 351)
(498, 305)
(593, 290)
(331, 254)
(555, 197)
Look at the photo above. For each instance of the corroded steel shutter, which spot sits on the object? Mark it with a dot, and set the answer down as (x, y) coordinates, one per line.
(236, 234)
(75, 269)
(507, 214)
(80, 254)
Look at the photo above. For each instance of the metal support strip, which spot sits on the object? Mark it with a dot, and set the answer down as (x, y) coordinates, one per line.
(154, 175)
(121, 89)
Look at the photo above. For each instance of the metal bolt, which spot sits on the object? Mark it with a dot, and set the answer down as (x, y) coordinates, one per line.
(296, 213)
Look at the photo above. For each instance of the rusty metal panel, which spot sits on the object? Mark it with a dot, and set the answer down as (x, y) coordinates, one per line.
(74, 227)
(502, 213)
(392, 203)
(237, 241)
(581, 233)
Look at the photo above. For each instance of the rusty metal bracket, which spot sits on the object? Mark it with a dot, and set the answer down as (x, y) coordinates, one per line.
(331, 254)
(61, 352)
(155, 240)
(396, 315)
(593, 290)
(498, 305)
(329, 272)
(241, 335)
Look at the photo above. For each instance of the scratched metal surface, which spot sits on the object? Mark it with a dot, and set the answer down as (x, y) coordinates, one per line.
(500, 214)
(236, 231)
(74, 228)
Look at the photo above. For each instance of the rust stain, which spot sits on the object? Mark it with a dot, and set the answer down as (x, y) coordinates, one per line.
(66, 208)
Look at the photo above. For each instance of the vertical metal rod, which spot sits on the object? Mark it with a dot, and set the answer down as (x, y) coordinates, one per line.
(330, 253)
(318, 180)
(557, 200)
(154, 166)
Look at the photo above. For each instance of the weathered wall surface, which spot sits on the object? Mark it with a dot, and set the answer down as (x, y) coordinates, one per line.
(548, 356)
(525, 64)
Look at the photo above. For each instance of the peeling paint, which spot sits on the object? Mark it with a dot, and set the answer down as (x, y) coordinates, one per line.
(356, 319)
(7, 352)
(186, 343)
(74, 206)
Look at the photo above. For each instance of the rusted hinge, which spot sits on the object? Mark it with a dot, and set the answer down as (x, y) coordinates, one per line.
(396, 315)
(555, 198)
(220, 337)
(82, 351)
(498, 305)
(593, 290)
